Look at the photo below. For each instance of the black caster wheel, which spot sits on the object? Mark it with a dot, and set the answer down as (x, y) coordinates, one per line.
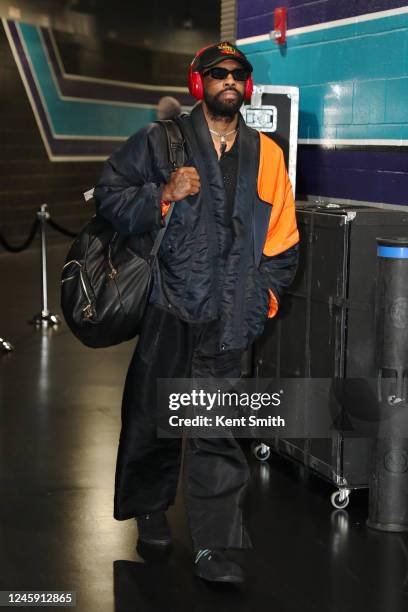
(261, 451)
(340, 499)
(5, 346)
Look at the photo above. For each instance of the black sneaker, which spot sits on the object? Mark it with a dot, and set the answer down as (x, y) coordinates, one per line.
(213, 565)
(154, 529)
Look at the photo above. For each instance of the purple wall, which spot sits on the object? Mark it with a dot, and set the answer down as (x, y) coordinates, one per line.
(256, 16)
(368, 174)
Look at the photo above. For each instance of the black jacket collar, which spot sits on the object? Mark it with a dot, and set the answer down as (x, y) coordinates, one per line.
(248, 153)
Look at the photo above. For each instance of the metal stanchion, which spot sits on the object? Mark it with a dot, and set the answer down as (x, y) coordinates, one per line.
(45, 318)
(5, 346)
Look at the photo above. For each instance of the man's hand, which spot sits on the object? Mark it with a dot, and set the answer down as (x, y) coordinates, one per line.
(183, 182)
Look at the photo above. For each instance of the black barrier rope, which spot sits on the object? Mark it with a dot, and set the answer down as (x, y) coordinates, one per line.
(60, 229)
(25, 244)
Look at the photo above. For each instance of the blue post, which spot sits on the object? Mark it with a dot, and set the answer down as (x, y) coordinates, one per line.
(388, 497)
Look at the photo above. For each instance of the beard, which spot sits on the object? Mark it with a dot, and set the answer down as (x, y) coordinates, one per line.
(220, 108)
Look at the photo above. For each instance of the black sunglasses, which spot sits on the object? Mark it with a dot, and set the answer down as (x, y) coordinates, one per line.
(238, 74)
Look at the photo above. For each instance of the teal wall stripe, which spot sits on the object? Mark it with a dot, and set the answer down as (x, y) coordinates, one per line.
(80, 118)
(353, 78)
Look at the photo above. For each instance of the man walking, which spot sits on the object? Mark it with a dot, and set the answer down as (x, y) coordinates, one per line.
(229, 252)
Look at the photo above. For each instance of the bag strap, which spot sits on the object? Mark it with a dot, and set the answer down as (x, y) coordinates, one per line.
(175, 143)
(177, 157)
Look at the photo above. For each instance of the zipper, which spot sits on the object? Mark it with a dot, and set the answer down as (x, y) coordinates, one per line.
(88, 309)
(113, 271)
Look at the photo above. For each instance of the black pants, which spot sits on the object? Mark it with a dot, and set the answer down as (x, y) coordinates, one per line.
(215, 469)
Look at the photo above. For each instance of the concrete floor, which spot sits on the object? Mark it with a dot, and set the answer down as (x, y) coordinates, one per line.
(59, 425)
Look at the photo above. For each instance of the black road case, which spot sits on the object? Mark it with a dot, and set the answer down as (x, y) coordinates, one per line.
(326, 327)
(274, 110)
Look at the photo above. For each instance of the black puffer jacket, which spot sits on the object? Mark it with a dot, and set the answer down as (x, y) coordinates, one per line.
(206, 270)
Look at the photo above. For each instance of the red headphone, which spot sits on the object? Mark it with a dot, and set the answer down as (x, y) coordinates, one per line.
(195, 81)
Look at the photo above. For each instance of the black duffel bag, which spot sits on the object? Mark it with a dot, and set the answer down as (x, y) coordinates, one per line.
(106, 279)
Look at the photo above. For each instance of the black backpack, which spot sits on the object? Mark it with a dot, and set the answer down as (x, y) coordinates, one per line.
(106, 279)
